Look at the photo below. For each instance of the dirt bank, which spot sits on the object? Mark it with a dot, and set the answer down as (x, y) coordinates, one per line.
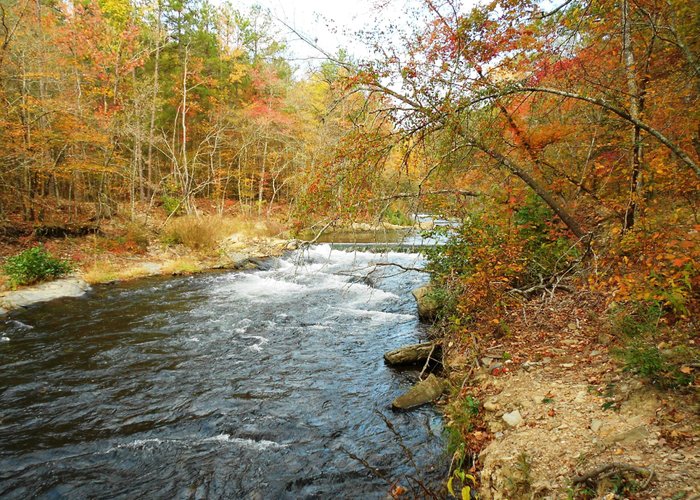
(558, 416)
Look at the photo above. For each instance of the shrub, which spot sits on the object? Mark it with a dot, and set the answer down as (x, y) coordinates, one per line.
(171, 205)
(193, 232)
(641, 326)
(397, 217)
(138, 234)
(475, 266)
(546, 250)
(205, 233)
(34, 265)
(642, 320)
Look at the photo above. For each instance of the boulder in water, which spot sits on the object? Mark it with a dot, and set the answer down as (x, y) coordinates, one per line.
(427, 305)
(414, 353)
(423, 392)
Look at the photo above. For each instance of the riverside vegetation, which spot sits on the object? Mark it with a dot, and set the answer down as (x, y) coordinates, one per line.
(564, 138)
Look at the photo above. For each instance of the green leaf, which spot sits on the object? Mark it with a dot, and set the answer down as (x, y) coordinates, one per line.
(449, 486)
(466, 493)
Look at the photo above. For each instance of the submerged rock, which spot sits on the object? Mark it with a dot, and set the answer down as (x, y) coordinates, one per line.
(423, 392)
(427, 305)
(414, 353)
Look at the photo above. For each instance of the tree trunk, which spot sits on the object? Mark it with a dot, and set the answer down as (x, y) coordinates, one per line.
(633, 90)
(546, 196)
(151, 129)
(261, 186)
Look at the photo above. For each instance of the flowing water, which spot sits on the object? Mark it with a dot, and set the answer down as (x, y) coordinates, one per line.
(264, 384)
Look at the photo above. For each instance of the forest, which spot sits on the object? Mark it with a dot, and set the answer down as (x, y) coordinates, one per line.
(563, 136)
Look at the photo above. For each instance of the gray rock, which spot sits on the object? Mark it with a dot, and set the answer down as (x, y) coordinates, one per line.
(513, 419)
(633, 435)
(68, 287)
(427, 305)
(152, 267)
(238, 260)
(423, 392)
(596, 425)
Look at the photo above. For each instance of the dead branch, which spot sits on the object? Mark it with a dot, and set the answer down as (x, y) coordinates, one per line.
(606, 470)
(543, 286)
(320, 233)
(427, 361)
(374, 470)
(399, 438)
(405, 268)
(458, 192)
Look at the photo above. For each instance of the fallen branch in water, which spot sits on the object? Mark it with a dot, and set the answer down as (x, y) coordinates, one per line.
(376, 472)
(405, 268)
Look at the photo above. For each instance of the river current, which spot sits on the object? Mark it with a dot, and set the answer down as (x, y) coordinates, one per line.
(260, 384)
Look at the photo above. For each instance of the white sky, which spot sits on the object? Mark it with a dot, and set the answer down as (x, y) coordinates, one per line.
(327, 22)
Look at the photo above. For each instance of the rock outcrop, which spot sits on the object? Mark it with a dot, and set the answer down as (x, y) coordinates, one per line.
(68, 287)
(427, 305)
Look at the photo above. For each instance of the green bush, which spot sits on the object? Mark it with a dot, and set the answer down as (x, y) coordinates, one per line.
(398, 218)
(641, 329)
(171, 205)
(642, 320)
(33, 265)
(545, 252)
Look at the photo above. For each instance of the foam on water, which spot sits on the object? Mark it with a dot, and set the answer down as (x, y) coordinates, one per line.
(261, 342)
(260, 445)
(20, 325)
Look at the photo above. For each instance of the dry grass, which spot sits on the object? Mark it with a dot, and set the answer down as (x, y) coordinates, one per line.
(184, 265)
(206, 232)
(101, 272)
(105, 272)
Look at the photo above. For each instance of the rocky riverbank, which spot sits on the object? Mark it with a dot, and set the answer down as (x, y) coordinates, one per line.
(550, 413)
(238, 251)
(555, 415)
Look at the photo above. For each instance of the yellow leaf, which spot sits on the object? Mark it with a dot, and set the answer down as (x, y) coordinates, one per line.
(466, 493)
(449, 486)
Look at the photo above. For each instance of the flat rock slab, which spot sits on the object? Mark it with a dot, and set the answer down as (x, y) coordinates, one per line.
(423, 392)
(68, 287)
(414, 353)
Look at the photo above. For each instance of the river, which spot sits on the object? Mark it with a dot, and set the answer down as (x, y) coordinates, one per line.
(260, 384)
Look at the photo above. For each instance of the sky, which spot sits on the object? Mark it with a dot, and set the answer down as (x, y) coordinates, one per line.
(329, 23)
